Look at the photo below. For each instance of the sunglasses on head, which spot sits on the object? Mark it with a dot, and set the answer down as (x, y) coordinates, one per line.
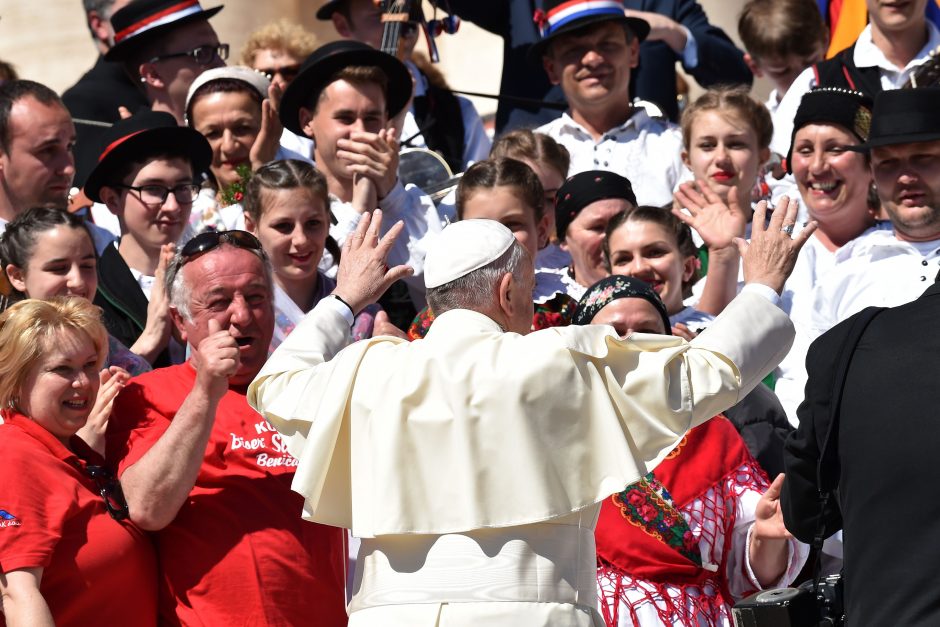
(204, 242)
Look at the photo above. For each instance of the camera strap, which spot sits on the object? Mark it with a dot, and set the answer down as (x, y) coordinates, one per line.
(828, 469)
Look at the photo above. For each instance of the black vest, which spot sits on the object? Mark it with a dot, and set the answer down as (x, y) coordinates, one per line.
(841, 71)
(438, 116)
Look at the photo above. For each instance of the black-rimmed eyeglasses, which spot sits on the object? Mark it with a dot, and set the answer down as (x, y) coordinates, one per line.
(110, 490)
(202, 55)
(184, 193)
(204, 242)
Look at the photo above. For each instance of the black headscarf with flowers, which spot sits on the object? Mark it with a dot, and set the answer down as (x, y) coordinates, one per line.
(614, 287)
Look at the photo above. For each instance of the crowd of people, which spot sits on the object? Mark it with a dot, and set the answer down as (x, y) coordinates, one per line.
(252, 373)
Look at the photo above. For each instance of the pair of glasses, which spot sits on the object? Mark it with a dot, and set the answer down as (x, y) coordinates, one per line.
(204, 242)
(157, 194)
(287, 72)
(110, 490)
(202, 55)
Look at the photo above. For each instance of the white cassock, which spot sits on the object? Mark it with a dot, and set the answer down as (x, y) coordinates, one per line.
(472, 463)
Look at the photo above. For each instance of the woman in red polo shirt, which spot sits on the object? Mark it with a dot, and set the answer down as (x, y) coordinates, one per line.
(68, 553)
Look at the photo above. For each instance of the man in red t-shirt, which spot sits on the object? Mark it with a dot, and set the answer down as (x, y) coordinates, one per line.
(206, 472)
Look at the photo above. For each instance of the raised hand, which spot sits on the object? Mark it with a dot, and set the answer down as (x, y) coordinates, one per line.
(681, 330)
(772, 252)
(363, 276)
(113, 380)
(662, 28)
(156, 334)
(716, 222)
(768, 550)
(268, 140)
(216, 359)
(384, 326)
(768, 516)
(372, 155)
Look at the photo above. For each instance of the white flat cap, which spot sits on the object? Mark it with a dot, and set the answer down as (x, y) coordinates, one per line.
(463, 247)
(255, 79)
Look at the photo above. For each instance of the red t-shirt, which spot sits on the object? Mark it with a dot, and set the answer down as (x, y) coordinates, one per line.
(96, 570)
(238, 552)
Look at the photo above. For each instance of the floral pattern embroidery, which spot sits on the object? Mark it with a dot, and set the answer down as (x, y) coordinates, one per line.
(648, 505)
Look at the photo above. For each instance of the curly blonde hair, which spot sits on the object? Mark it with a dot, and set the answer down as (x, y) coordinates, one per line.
(280, 35)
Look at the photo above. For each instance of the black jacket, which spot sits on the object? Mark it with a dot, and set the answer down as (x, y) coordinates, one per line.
(887, 463)
(96, 97)
(123, 303)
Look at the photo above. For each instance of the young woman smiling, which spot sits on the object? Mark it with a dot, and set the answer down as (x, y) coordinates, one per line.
(726, 134)
(47, 253)
(287, 209)
(835, 182)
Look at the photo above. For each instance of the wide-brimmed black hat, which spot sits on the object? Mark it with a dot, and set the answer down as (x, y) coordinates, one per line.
(328, 9)
(320, 67)
(904, 116)
(564, 16)
(584, 188)
(145, 134)
(143, 20)
(852, 110)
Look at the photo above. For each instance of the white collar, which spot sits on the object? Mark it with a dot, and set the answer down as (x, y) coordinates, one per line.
(884, 240)
(643, 114)
(867, 54)
(462, 320)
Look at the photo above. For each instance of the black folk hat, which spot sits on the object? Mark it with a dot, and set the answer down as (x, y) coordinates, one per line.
(328, 9)
(904, 116)
(145, 134)
(564, 16)
(319, 68)
(584, 188)
(849, 109)
(143, 20)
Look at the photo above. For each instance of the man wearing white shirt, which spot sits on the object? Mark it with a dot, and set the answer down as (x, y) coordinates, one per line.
(897, 41)
(589, 48)
(344, 98)
(890, 268)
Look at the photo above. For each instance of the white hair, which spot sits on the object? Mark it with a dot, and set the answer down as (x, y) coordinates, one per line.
(477, 288)
(179, 289)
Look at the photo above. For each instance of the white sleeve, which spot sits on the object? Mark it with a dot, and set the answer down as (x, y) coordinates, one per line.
(765, 291)
(740, 575)
(476, 143)
(347, 219)
(786, 111)
(422, 223)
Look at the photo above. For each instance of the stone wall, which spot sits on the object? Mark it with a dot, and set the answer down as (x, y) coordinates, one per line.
(47, 40)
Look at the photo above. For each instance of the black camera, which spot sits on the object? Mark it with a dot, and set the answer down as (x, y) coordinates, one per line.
(794, 607)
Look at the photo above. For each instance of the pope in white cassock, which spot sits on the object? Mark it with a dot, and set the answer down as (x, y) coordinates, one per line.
(472, 462)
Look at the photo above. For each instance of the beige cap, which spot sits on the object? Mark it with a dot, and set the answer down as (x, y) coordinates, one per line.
(463, 247)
